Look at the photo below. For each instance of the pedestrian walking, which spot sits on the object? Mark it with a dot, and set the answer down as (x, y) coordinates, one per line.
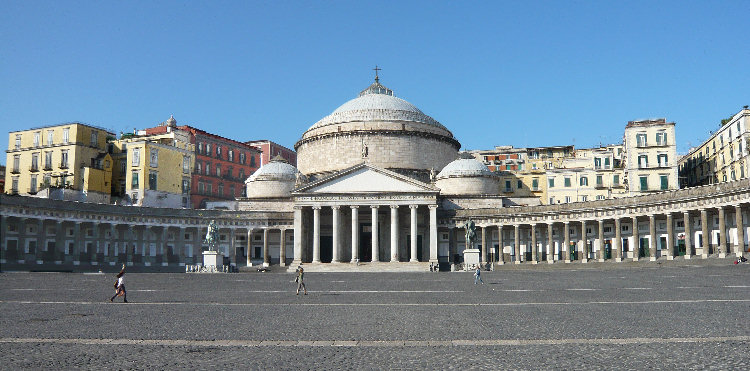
(300, 280)
(120, 286)
(478, 276)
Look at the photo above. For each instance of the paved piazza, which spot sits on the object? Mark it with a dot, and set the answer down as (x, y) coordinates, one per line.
(681, 314)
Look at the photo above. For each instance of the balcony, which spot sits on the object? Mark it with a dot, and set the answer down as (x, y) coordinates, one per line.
(63, 166)
(33, 168)
(47, 167)
(15, 170)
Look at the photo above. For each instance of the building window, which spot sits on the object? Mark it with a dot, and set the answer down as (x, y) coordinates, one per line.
(662, 159)
(661, 138)
(567, 201)
(64, 159)
(35, 162)
(123, 166)
(14, 185)
(152, 180)
(198, 167)
(221, 189)
(644, 183)
(185, 186)
(48, 160)
(47, 180)
(519, 184)
(186, 164)
(16, 164)
(208, 149)
(567, 181)
(597, 163)
(218, 151)
(218, 170)
(231, 190)
(584, 181)
(136, 157)
(242, 158)
(209, 188)
(154, 157)
(507, 186)
(252, 161)
(584, 198)
(606, 162)
(66, 135)
(616, 179)
(208, 168)
(599, 197)
(134, 181)
(32, 185)
(18, 141)
(229, 172)
(134, 198)
(37, 137)
(50, 137)
(551, 182)
(641, 140)
(664, 182)
(535, 184)
(231, 156)
(201, 188)
(643, 161)
(94, 139)
(242, 174)
(551, 200)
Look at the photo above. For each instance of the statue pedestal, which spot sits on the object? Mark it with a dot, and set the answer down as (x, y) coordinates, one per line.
(471, 257)
(213, 259)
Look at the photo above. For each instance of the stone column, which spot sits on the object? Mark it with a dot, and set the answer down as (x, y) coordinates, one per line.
(282, 247)
(550, 244)
(76, 243)
(433, 234)
(740, 249)
(249, 244)
(232, 247)
(706, 237)
(452, 248)
(566, 243)
(688, 235)
(413, 232)
(297, 236)
(316, 234)
(517, 243)
(618, 240)
(485, 254)
(585, 243)
(671, 249)
(394, 233)
(534, 247)
(501, 255)
(355, 233)
(600, 252)
(636, 249)
(266, 249)
(59, 253)
(336, 241)
(375, 234)
(652, 237)
(722, 233)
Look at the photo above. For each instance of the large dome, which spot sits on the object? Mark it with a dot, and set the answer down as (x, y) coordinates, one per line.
(380, 129)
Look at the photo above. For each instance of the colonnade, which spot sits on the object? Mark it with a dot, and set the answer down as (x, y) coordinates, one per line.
(613, 244)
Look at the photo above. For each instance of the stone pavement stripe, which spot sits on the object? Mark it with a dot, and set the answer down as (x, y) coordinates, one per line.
(374, 343)
(385, 304)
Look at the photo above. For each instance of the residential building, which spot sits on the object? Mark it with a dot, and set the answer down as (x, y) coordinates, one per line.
(723, 157)
(221, 164)
(154, 169)
(71, 156)
(651, 156)
(270, 150)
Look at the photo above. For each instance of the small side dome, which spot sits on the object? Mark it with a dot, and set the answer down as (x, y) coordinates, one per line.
(171, 121)
(275, 179)
(467, 177)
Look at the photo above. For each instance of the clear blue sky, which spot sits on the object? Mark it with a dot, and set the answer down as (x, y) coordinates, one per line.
(521, 73)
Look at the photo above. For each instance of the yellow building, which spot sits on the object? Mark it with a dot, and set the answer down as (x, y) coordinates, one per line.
(651, 156)
(154, 170)
(68, 156)
(723, 157)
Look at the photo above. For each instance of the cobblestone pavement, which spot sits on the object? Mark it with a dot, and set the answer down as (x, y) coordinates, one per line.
(682, 316)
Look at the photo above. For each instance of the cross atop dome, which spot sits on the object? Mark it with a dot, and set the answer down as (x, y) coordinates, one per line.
(376, 87)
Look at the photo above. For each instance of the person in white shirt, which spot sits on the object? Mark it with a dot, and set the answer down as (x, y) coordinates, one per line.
(120, 286)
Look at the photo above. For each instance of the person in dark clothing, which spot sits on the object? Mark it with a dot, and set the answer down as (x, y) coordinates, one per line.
(120, 286)
(300, 280)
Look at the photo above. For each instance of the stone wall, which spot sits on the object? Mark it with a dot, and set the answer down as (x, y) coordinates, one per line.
(477, 185)
(269, 188)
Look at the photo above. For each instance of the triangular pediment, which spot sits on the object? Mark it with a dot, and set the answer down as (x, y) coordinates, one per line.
(364, 179)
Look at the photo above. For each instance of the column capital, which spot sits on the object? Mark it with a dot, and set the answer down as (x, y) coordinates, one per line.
(298, 207)
(335, 207)
(374, 206)
(393, 206)
(316, 207)
(354, 206)
(413, 206)
(567, 222)
(432, 206)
